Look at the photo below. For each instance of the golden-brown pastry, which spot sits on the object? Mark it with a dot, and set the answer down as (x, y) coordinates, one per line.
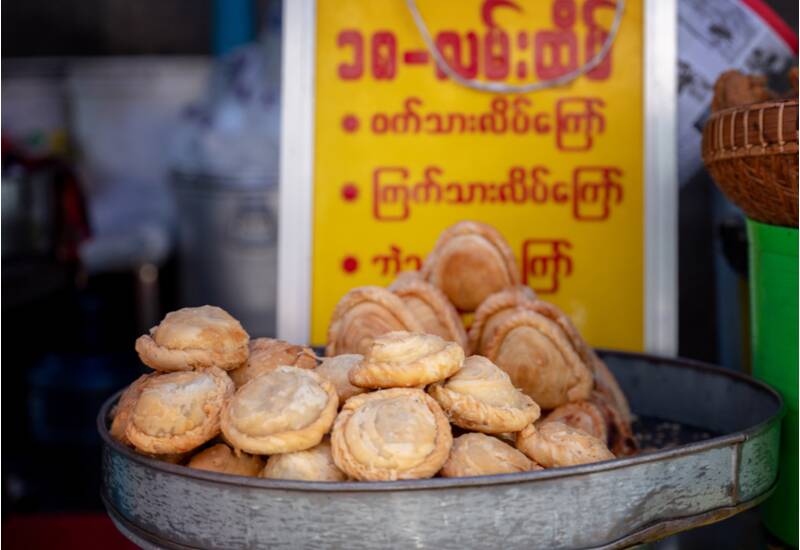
(470, 261)
(124, 408)
(399, 433)
(500, 307)
(364, 313)
(430, 307)
(481, 397)
(554, 444)
(476, 454)
(194, 337)
(733, 89)
(337, 370)
(493, 310)
(267, 354)
(314, 464)
(581, 415)
(178, 411)
(220, 458)
(607, 393)
(606, 385)
(407, 359)
(540, 359)
(171, 458)
(620, 439)
(287, 410)
(609, 397)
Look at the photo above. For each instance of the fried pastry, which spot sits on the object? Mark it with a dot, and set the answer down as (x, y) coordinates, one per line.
(170, 458)
(607, 386)
(620, 439)
(481, 397)
(493, 310)
(124, 408)
(178, 411)
(314, 464)
(581, 415)
(363, 314)
(470, 261)
(733, 89)
(407, 359)
(614, 404)
(287, 410)
(554, 444)
(430, 307)
(336, 370)
(540, 359)
(194, 337)
(220, 458)
(477, 454)
(267, 354)
(399, 433)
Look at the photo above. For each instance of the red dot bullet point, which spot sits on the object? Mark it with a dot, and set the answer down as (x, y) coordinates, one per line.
(349, 192)
(350, 123)
(350, 264)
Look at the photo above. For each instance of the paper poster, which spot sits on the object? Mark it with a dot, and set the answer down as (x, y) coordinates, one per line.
(402, 151)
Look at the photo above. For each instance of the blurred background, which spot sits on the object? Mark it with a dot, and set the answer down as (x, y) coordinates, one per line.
(139, 164)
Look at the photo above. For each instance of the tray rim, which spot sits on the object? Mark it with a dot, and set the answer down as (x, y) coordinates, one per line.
(648, 533)
(477, 481)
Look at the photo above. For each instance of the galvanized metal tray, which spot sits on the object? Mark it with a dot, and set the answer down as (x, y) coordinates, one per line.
(612, 504)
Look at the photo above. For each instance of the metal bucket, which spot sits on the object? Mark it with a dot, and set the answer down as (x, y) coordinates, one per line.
(227, 248)
(611, 504)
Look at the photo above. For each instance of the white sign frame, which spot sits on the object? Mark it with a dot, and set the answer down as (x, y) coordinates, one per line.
(660, 170)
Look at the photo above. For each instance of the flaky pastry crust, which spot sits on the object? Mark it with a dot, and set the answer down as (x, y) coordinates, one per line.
(554, 444)
(621, 439)
(220, 458)
(487, 316)
(314, 464)
(470, 261)
(337, 370)
(476, 454)
(267, 354)
(179, 411)
(407, 359)
(170, 458)
(287, 410)
(194, 337)
(481, 397)
(540, 359)
(500, 307)
(581, 415)
(124, 408)
(399, 433)
(363, 314)
(430, 307)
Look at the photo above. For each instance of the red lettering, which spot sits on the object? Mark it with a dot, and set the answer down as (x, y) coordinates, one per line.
(354, 69)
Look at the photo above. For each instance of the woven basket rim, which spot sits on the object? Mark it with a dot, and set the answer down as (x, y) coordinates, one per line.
(771, 104)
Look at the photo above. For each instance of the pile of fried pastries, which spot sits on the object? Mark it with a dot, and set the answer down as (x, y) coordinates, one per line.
(404, 392)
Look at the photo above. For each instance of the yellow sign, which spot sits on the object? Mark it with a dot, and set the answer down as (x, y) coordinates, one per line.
(402, 150)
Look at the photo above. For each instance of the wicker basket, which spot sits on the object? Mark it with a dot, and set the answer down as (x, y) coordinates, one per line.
(751, 152)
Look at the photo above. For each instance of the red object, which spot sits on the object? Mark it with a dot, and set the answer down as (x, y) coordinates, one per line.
(349, 192)
(415, 57)
(350, 264)
(63, 531)
(774, 20)
(350, 123)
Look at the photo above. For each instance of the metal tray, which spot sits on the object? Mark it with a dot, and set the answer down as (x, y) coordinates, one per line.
(611, 504)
